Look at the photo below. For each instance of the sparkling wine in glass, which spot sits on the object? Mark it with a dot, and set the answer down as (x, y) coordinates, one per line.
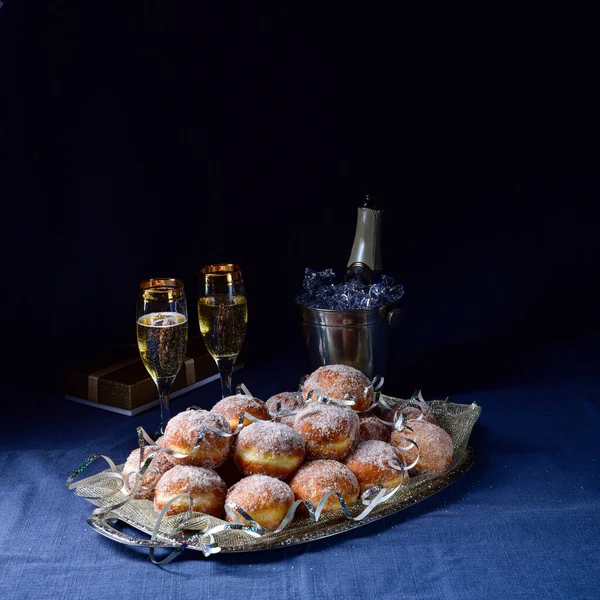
(162, 332)
(223, 316)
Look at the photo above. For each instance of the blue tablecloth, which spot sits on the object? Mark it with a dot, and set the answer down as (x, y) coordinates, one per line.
(524, 522)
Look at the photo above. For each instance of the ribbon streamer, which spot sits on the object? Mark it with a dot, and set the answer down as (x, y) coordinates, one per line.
(317, 395)
(242, 389)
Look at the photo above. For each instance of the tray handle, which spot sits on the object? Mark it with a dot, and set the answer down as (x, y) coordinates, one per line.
(101, 526)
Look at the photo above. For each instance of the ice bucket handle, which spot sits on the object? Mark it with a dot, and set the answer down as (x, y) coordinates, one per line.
(393, 317)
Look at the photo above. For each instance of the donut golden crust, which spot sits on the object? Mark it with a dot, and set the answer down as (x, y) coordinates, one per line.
(290, 400)
(269, 448)
(373, 429)
(205, 487)
(337, 380)
(232, 407)
(330, 430)
(314, 479)
(370, 462)
(435, 447)
(132, 465)
(181, 435)
(265, 499)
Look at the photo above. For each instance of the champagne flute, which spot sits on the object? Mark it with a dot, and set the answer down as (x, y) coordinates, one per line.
(223, 315)
(162, 332)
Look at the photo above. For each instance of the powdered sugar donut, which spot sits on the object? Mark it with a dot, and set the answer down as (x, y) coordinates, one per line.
(370, 462)
(265, 499)
(435, 446)
(181, 435)
(290, 400)
(269, 448)
(337, 380)
(132, 465)
(205, 487)
(330, 430)
(314, 479)
(232, 407)
(372, 428)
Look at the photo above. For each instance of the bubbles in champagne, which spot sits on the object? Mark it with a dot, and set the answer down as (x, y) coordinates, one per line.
(223, 322)
(162, 341)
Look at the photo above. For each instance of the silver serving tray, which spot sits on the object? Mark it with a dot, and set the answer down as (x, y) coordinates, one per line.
(457, 419)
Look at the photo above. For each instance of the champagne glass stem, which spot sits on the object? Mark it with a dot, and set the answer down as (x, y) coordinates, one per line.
(225, 369)
(164, 387)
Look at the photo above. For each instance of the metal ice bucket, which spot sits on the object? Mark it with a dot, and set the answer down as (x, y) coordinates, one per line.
(358, 338)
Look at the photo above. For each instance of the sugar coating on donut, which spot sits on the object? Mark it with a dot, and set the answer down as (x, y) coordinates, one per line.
(314, 479)
(232, 407)
(372, 428)
(330, 430)
(257, 492)
(190, 423)
(374, 452)
(370, 462)
(269, 448)
(290, 400)
(188, 478)
(133, 465)
(205, 487)
(435, 446)
(183, 430)
(328, 420)
(271, 437)
(337, 380)
(265, 499)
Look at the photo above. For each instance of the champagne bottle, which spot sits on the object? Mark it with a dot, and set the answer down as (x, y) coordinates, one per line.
(364, 264)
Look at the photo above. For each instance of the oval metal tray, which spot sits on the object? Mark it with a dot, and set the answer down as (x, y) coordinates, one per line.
(457, 419)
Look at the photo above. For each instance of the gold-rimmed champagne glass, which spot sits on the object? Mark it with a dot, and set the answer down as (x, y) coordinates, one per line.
(223, 316)
(162, 332)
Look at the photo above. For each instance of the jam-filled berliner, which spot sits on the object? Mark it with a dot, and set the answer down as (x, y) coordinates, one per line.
(269, 448)
(182, 432)
(314, 479)
(338, 380)
(330, 430)
(265, 499)
(371, 462)
(435, 446)
(151, 477)
(232, 407)
(205, 487)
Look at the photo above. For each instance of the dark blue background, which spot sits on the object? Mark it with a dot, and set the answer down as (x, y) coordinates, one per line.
(148, 139)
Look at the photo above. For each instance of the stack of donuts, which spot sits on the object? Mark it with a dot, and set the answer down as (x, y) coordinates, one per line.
(291, 447)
